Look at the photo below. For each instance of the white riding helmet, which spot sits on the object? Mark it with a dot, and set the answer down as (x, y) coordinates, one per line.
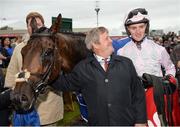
(136, 16)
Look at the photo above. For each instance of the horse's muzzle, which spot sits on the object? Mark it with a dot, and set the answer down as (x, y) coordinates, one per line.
(25, 103)
(21, 102)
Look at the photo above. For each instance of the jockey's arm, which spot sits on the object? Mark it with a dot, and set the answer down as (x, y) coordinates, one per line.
(167, 63)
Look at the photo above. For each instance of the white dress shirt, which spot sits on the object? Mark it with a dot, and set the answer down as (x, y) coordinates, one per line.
(100, 59)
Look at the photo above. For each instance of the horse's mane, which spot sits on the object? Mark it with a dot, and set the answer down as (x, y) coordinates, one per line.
(74, 33)
(75, 43)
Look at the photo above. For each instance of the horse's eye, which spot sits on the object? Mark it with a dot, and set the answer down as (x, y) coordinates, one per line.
(46, 55)
(47, 52)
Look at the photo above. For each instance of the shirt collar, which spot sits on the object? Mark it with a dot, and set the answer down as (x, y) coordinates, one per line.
(100, 58)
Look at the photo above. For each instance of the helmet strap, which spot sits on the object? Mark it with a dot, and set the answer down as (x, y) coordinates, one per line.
(138, 43)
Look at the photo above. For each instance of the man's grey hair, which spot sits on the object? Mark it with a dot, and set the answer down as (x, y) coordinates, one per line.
(93, 36)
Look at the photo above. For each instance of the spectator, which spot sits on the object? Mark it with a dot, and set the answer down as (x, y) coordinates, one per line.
(175, 56)
(7, 45)
(6, 50)
(17, 40)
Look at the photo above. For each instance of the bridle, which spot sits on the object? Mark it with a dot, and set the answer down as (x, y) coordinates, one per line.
(39, 86)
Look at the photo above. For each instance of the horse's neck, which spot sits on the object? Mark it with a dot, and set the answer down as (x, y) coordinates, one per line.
(71, 49)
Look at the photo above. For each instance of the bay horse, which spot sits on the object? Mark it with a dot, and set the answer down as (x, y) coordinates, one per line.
(45, 56)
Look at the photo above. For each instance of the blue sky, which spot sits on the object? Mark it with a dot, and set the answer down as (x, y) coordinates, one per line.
(164, 14)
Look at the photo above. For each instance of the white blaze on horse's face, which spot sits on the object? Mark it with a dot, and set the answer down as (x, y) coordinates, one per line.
(22, 76)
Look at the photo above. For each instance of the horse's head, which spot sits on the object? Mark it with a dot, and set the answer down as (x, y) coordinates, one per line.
(44, 56)
(38, 68)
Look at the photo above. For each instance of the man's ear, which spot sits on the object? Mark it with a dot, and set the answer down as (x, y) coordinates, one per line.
(95, 46)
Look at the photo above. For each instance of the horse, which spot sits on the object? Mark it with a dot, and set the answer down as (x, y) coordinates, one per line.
(46, 55)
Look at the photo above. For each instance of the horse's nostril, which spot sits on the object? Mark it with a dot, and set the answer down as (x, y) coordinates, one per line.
(24, 98)
(25, 104)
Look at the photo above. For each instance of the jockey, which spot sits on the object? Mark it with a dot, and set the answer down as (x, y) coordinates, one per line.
(137, 28)
(147, 56)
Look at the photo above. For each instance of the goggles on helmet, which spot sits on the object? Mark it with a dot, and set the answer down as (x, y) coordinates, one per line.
(136, 11)
(139, 15)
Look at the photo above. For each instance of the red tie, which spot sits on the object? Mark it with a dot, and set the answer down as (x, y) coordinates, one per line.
(105, 64)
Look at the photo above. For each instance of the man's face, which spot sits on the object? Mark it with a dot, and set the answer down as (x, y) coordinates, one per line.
(104, 48)
(137, 31)
(39, 24)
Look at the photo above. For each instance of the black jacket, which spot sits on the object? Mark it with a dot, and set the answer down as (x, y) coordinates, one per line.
(5, 99)
(115, 97)
(5, 111)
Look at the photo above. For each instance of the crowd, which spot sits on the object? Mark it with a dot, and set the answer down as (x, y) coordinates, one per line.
(121, 80)
(171, 41)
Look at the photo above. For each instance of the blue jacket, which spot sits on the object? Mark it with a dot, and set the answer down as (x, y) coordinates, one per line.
(117, 44)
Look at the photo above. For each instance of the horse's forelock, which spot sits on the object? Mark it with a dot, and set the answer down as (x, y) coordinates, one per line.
(29, 49)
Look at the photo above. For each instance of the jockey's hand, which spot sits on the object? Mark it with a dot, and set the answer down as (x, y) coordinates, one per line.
(171, 79)
(146, 80)
(171, 82)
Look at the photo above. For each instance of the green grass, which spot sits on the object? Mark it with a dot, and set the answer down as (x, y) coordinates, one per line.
(70, 117)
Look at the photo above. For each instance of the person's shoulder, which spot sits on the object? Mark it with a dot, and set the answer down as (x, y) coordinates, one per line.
(20, 46)
(88, 59)
(84, 61)
(124, 39)
(154, 44)
(24, 41)
(122, 58)
(149, 40)
(121, 40)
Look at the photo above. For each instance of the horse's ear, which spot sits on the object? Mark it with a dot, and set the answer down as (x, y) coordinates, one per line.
(55, 27)
(33, 25)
